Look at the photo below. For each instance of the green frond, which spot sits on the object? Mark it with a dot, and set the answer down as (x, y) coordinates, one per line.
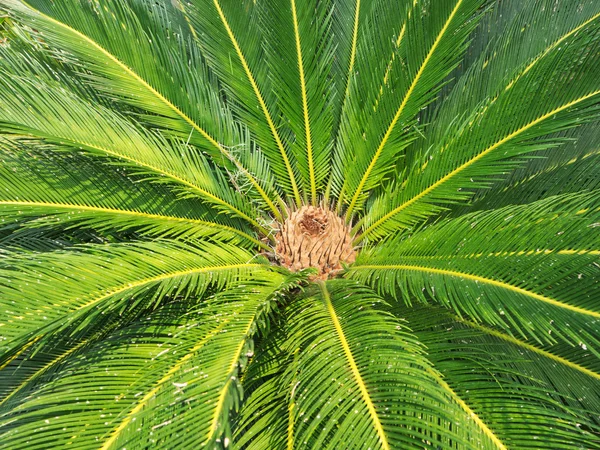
(349, 23)
(529, 269)
(514, 386)
(42, 109)
(435, 39)
(299, 53)
(189, 356)
(476, 149)
(233, 47)
(571, 167)
(348, 373)
(72, 287)
(163, 163)
(97, 37)
(42, 187)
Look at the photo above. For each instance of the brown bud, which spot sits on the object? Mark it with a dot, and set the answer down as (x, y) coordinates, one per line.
(314, 237)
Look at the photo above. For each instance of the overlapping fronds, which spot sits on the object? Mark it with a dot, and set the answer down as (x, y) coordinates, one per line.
(162, 74)
(571, 167)
(66, 190)
(154, 160)
(474, 149)
(531, 269)
(299, 53)
(349, 372)
(232, 44)
(44, 110)
(429, 44)
(57, 289)
(185, 358)
(513, 386)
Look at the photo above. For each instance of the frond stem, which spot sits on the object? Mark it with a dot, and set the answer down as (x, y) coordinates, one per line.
(392, 125)
(471, 161)
(126, 212)
(309, 145)
(261, 101)
(353, 367)
(480, 279)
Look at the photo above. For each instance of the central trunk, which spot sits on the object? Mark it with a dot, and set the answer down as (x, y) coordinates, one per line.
(314, 237)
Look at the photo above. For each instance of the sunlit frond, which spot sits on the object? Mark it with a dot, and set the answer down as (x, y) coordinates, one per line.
(328, 387)
(433, 45)
(510, 387)
(298, 224)
(187, 356)
(529, 269)
(180, 94)
(495, 138)
(74, 286)
(65, 190)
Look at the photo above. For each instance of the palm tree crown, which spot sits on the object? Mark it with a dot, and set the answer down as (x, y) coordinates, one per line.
(299, 224)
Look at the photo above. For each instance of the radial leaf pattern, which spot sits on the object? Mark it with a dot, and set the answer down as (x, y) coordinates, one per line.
(300, 224)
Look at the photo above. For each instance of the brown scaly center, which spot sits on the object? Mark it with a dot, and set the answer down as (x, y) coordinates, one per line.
(314, 237)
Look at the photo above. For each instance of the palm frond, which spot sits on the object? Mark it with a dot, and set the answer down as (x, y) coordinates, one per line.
(74, 286)
(42, 187)
(190, 106)
(436, 38)
(44, 110)
(569, 168)
(529, 269)
(233, 48)
(350, 373)
(476, 149)
(506, 384)
(299, 53)
(187, 356)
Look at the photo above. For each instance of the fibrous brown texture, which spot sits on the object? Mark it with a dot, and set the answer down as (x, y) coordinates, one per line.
(314, 237)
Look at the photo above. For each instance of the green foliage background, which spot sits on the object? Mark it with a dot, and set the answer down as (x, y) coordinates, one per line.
(148, 151)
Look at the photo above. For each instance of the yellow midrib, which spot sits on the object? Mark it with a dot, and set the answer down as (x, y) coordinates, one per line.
(400, 110)
(480, 279)
(125, 287)
(129, 213)
(393, 56)
(40, 370)
(152, 392)
(473, 160)
(290, 427)
(346, 94)
(19, 353)
(164, 277)
(352, 50)
(292, 405)
(354, 368)
(506, 253)
(260, 101)
(221, 401)
(309, 145)
(471, 414)
(164, 100)
(170, 175)
(550, 48)
(529, 347)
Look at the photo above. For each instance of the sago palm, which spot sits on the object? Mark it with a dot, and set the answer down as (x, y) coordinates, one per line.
(300, 224)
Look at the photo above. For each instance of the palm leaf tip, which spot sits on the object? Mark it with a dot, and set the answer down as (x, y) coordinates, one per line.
(295, 224)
